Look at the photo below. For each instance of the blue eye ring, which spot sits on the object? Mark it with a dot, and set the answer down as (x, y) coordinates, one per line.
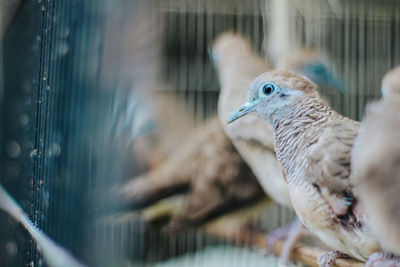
(268, 89)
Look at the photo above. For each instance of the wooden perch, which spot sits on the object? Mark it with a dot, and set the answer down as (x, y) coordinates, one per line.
(305, 254)
(234, 228)
(228, 228)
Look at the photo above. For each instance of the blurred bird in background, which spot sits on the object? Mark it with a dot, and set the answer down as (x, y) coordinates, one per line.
(159, 137)
(376, 169)
(315, 66)
(208, 167)
(313, 145)
(237, 66)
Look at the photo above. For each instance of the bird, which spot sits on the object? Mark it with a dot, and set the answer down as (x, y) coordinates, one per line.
(237, 65)
(313, 145)
(314, 65)
(376, 168)
(208, 167)
(160, 138)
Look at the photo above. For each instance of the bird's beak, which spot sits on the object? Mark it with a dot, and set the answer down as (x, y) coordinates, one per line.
(243, 110)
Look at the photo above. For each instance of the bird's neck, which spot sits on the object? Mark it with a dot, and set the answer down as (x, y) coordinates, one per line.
(295, 127)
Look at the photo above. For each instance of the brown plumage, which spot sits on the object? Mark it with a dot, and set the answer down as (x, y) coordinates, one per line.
(150, 149)
(237, 66)
(313, 144)
(376, 164)
(208, 166)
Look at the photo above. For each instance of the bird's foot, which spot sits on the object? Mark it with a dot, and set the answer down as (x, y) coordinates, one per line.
(291, 234)
(296, 232)
(382, 259)
(328, 258)
(276, 235)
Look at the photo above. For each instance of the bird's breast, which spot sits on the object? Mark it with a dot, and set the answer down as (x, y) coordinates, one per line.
(317, 216)
(310, 207)
(264, 165)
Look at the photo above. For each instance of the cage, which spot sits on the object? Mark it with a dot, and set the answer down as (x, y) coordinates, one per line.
(84, 81)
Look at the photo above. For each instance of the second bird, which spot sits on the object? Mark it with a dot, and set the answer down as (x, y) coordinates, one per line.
(376, 165)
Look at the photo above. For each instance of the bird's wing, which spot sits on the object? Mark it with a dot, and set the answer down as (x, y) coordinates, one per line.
(176, 172)
(329, 164)
(222, 181)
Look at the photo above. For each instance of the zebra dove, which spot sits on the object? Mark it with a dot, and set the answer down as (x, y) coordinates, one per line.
(313, 145)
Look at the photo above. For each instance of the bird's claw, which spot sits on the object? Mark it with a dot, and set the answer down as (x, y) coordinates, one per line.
(382, 259)
(328, 258)
(280, 233)
(291, 234)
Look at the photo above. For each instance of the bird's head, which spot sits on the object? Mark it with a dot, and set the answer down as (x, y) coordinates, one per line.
(322, 75)
(391, 83)
(227, 44)
(272, 91)
(316, 67)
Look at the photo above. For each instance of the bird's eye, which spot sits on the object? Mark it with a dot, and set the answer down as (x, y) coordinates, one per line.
(268, 89)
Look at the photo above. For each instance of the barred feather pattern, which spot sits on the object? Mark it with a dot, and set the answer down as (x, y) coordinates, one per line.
(322, 195)
(297, 129)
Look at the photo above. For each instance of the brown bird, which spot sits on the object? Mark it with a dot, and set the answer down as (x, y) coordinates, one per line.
(376, 169)
(315, 66)
(208, 166)
(237, 67)
(152, 148)
(313, 144)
